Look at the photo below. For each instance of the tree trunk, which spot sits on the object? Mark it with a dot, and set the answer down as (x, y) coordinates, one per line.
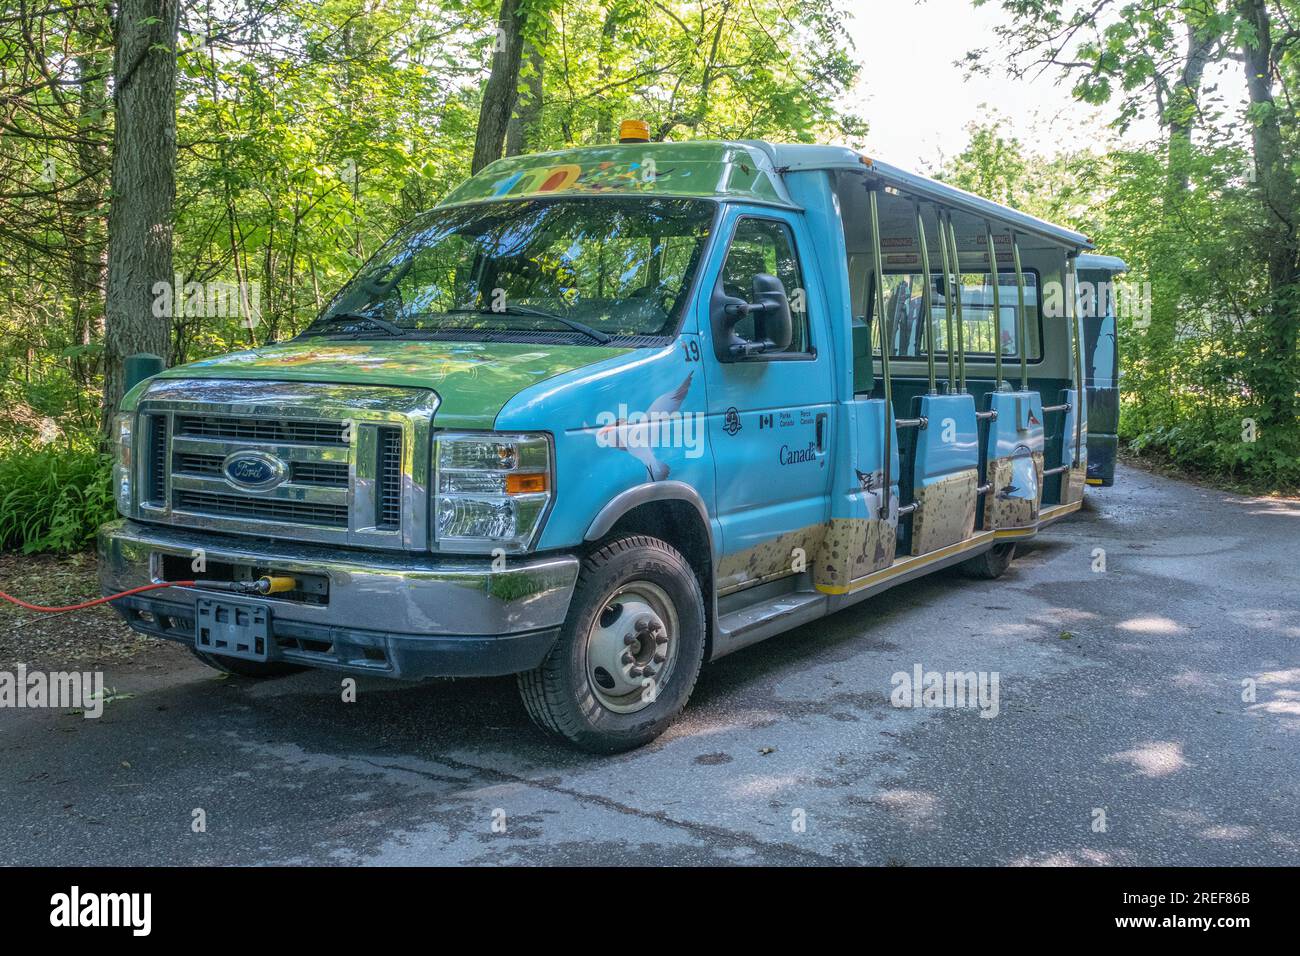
(502, 87)
(524, 134)
(87, 240)
(1181, 114)
(1274, 373)
(143, 187)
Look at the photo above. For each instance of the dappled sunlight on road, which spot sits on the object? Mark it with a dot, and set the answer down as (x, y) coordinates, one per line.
(915, 806)
(1151, 624)
(1155, 759)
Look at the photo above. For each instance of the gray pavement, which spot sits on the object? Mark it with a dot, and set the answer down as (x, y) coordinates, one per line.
(1120, 701)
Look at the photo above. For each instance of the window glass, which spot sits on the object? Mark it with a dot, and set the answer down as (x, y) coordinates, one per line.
(765, 245)
(621, 266)
(903, 305)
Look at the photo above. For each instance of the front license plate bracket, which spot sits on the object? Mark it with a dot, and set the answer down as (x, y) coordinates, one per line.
(232, 629)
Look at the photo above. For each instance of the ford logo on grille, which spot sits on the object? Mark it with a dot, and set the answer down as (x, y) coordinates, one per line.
(253, 471)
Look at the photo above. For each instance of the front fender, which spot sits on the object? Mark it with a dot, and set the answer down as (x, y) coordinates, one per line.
(610, 453)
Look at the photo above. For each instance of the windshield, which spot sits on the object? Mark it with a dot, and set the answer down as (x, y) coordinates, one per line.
(578, 268)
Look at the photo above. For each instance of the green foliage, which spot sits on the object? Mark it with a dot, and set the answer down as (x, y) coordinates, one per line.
(53, 497)
(307, 132)
(1196, 376)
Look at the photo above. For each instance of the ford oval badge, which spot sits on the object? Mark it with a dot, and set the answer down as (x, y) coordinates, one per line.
(253, 470)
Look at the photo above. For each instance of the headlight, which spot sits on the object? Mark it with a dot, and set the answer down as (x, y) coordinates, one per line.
(492, 490)
(123, 461)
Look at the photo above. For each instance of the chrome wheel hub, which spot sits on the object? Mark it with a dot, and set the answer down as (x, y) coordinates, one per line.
(632, 647)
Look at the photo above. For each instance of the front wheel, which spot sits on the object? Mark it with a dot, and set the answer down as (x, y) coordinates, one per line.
(630, 651)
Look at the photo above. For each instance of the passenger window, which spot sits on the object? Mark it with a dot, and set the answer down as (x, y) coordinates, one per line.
(903, 305)
(766, 245)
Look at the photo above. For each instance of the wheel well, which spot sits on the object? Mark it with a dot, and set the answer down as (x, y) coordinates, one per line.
(679, 524)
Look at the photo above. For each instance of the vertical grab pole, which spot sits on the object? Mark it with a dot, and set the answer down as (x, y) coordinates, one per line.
(961, 324)
(948, 288)
(997, 307)
(1022, 323)
(1076, 369)
(886, 339)
(927, 299)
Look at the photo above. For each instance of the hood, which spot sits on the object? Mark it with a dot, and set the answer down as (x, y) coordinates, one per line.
(473, 380)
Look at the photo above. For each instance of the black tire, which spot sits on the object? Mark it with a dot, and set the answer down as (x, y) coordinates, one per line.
(990, 565)
(559, 695)
(242, 668)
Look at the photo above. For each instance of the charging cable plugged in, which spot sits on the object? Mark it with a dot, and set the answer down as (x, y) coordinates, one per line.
(267, 584)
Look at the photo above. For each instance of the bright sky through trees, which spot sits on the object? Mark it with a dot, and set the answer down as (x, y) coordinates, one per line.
(918, 103)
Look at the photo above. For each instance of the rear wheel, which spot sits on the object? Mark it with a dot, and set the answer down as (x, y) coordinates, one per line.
(630, 650)
(991, 564)
(243, 668)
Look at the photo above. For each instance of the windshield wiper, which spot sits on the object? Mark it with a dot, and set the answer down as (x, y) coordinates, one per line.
(382, 324)
(528, 310)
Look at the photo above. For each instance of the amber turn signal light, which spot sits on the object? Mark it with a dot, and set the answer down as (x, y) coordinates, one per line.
(526, 484)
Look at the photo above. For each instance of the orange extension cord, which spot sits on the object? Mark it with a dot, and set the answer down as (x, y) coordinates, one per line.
(85, 604)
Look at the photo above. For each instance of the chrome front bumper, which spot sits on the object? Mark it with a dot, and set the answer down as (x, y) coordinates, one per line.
(402, 615)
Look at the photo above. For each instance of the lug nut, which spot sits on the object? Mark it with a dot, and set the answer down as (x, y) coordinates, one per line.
(643, 623)
(649, 670)
(660, 657)
(629, 639)
(627, 658)
(636, 671)
(661, 638)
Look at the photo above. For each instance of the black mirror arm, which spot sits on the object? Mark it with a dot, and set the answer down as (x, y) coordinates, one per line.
(739, 310)
(746, 349)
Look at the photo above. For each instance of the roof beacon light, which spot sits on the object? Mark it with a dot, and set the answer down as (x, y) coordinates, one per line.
(634, 131)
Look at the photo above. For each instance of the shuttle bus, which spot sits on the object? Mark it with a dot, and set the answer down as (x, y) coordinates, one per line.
(607, 414)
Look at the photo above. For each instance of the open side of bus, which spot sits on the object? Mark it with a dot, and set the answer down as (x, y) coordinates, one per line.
(1097, 301)
(964, 432)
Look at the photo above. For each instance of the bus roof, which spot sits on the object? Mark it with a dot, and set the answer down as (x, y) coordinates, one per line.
(798, 157)
(748, 170)
(1096, 263)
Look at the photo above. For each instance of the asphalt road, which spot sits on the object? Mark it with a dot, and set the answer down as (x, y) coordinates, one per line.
(1120, 701)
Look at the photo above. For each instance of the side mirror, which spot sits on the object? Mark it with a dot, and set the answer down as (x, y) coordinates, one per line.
(773, 326)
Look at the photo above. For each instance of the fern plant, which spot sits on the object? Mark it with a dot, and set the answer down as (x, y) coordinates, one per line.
(53, 497)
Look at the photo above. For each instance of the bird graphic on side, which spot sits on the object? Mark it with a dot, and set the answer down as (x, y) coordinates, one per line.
(639, 439)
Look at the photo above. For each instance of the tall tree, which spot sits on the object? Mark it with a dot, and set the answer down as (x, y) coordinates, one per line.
(524, 134)
(143, 186)
(502, 89)
(1275, 374)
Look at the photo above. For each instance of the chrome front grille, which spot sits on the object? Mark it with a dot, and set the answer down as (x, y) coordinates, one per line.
(156, 487)
(261, 430)
(389, 473)
(264, 509)
(334, 474)
(346, 463)
(326, 474)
